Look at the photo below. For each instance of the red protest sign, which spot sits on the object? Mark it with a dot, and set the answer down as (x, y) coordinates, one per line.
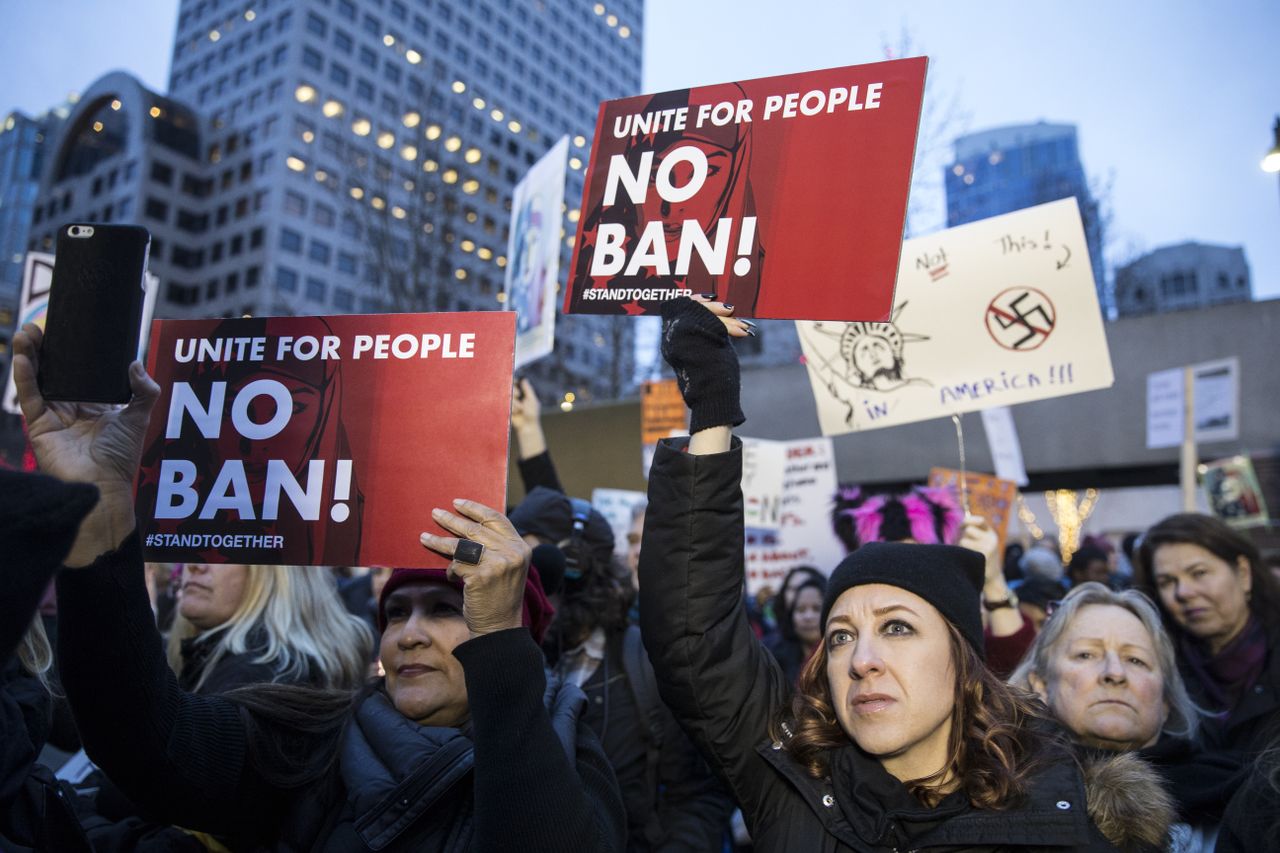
(322, 440)
(785, 196)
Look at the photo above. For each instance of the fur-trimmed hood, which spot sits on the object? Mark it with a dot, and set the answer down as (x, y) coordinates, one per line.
(1127, 799)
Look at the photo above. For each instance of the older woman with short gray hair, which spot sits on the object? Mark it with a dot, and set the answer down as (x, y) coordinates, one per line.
(1106, 669)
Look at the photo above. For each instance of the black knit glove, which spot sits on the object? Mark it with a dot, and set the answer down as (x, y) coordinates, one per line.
(697, 346)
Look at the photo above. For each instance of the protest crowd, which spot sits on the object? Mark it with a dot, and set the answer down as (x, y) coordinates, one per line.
(535, 675)
(565, 693)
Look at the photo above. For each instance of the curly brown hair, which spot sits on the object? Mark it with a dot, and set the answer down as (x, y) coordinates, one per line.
(999, 735)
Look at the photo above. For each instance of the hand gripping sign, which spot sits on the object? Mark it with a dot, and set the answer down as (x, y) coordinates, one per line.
(785, 196)
(322, 440)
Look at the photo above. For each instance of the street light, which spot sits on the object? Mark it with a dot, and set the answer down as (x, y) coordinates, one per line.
(1271, 162)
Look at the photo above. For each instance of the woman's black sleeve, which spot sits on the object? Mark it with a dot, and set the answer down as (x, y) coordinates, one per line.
(528, 796)
(180, 757)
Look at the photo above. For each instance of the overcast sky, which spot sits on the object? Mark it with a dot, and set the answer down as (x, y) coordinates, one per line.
(1174, 101)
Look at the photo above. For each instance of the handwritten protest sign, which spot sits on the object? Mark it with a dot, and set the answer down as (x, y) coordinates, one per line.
(533, 250)
(1216, 403)
(788, 489)
(322, 440)
(989, 497)
(33, 304)
(786, 196)
(992, 313)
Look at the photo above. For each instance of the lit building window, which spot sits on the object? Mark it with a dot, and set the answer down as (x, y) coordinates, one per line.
(460, 274)
(598, 8)
(115, 105)
(496, 115)
(430, 165)
(389, 40)
(361, 127)
(386, 139)
(297, 164)
(459, 86)
(478, 103)
(433, 131)
(501, 261)
(473, 155)
(305, 94)
(625, 32)
(580, 140)
(413, 56)
(452, 144)
(611, 20)
(249, 14)
(575, 163)
(308, 137)
(398, 212)
(513, 126)
(357, 193)
(470, 187)
(467, 246)
(155, 112)
(485, 253)
(574, 215)
(409, 153)
(97, 127)
(449, 176)
(378, 203)
(411, 119)
(214, 35)
(332, 109)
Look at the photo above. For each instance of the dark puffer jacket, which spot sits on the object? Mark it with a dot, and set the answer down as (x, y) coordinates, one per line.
(525, 772)
(725, 688)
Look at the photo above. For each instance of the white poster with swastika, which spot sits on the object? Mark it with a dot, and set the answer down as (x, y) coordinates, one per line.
(992, 313)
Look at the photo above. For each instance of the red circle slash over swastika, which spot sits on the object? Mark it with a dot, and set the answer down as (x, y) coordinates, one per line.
(1021, 318)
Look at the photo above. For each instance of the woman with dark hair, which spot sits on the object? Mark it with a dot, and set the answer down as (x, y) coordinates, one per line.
(1223, 609)
(465, 744)
(799, 628)
(898, 736)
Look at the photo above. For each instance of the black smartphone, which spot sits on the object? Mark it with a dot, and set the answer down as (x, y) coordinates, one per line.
(95, 313)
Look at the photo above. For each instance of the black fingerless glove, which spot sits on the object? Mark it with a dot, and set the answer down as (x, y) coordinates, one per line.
(697, 346)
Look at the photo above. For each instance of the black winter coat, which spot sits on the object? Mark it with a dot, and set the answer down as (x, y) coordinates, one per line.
(525, 774)
(1245, 730)
(725, 688)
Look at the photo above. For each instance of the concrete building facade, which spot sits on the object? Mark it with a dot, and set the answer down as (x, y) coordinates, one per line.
(1187, 275)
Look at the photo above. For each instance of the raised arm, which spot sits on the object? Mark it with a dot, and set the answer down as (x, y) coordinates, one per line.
(532, 456)
(719, 681)
(181, 757)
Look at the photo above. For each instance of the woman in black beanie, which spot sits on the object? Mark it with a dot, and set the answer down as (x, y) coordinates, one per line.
(898, 737)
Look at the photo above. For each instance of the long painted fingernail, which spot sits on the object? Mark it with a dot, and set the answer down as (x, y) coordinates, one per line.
(728, 307)
(751, 332)
(748, 324)
(707, 295)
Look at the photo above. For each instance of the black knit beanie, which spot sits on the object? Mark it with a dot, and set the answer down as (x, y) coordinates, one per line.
(948, 577)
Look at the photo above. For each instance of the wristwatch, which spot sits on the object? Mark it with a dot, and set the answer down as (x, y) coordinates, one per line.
(1010, 600)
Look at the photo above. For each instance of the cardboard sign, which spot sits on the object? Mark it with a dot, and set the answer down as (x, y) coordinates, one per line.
(662, 411)
(1216, 388)
(322, 440)
(785, 196)
(533, 254)
(788, 488)
(618, 506)
(33, 304)
(1232, 490)
(992, 313)
(990, 497)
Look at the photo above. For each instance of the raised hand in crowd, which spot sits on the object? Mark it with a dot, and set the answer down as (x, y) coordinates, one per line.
(493, 587)
(91, 443)
(526, 420)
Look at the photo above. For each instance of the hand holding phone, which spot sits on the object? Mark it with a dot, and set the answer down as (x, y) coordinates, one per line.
(95, 310)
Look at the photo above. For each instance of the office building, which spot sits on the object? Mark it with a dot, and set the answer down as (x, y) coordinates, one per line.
(1186, 275)
(1008, 168)
(338, 156)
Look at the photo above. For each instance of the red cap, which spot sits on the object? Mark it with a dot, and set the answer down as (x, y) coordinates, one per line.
(536, 610)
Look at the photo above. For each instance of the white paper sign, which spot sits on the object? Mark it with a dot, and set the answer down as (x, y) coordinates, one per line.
(533, 254)
(1216, 387)
(992, 313)
(788, 488)
(1006, 451)
(33, 305)
(617, 506)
